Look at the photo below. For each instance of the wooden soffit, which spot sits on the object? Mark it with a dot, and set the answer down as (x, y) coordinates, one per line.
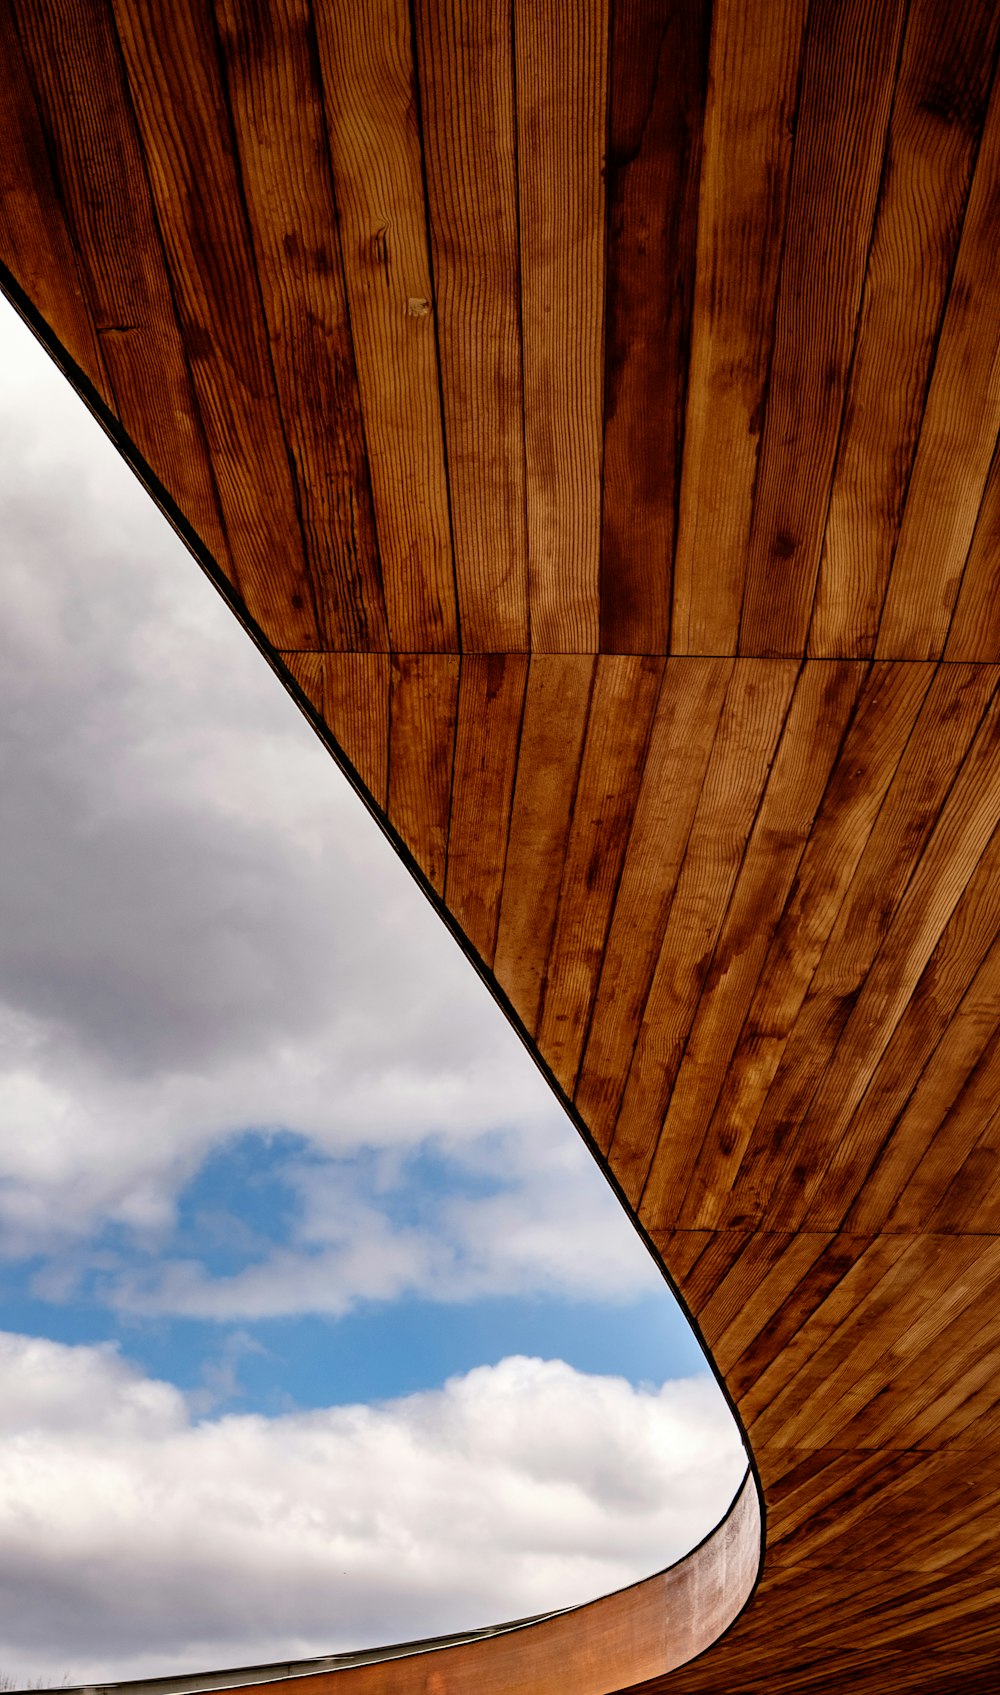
(591, 407)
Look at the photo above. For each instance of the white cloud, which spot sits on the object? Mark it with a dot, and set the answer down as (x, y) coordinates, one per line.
(134, 1540)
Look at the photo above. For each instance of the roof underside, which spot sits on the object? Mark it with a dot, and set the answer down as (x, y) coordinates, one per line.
(593, 408)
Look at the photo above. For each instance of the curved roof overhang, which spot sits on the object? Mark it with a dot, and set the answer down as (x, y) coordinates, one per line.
(591, 411)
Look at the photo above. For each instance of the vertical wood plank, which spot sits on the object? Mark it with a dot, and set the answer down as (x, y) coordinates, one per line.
(366, 57)
(865, 767)
(466, 69)
(957, 844)
(423, 702)
(656, 106)
(35, 238)
(849, 73)
(275, 99)
(934, 135)
(745, 168)
(350, 691)
(73, 56)
(959, 432)
(687, 717)
(621, 712)
(683, 1172)
(490, 708)
(974, 633)
(556, 707)
(748, 735)
(949, 719)
(561, 75)
(173, 69)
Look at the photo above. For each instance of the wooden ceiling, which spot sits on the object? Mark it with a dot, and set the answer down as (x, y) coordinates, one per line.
(593, 407)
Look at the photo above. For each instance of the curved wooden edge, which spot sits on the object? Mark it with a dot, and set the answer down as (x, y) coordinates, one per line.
(611, 1644)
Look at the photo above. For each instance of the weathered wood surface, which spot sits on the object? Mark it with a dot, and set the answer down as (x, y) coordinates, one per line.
(594, 411)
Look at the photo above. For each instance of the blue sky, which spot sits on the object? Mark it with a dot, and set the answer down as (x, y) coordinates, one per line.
(389, 1359)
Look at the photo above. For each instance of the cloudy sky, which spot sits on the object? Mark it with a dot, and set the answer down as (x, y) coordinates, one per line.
(307, 1342)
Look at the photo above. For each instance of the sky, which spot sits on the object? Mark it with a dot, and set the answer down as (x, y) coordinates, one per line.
(319, 1327)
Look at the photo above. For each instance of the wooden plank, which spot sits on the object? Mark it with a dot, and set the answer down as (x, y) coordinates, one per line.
(658, 70)
(937, 118)
(936, 1279)
(843, 1282)
(561, 76)
(621, 713)
(350, 691)
(556, 709)
(949, 719)
(73, 55)
(832, 1152)
(865, 766)
(849, 73)
(745, 167)
(942, 1118)
(276, 104)
(371, 109)
(176, 89)
(752, 721)
(959, 433)
(690, 704)
(974, 633)
(681, 1183)
(423, 701)
(466, 73)
(490, 709)
(35, 239)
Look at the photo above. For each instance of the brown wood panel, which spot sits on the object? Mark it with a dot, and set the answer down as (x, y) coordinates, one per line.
(466, 72)
(35, 238)
(866, 764)
(89, 135)
(172, 66)
(490, 709)
(556, 708)
(752, 721)
(682, 1185)
(350, 691)
(848, 77)
(687, 717)
(561, 73)
(930, 1139)
(934, 135)
(959, 432)
(746, 162)
(366, 58)
(808, 1184)
(974, 632)
(658, 71)
(423, 703)
(274, 97)
(949, 718)
(621, 713)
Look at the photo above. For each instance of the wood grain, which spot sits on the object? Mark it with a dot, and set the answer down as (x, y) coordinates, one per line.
(366, 58)
(934, 135)
(170, 57)
(658, 70)
(490, 710)
(274, 98)
(561, 73)
(466, 72)
(848, 77)
(959, 433)
(746, 163)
